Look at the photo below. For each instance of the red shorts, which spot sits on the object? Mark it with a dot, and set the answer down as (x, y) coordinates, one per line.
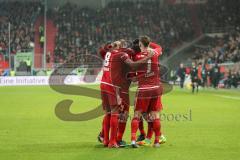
(148, 104)
(111, 97)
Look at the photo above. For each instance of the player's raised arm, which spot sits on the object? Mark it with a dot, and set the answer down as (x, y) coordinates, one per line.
(102, 52)
(104, 49)
(156, 47)
(134, 65)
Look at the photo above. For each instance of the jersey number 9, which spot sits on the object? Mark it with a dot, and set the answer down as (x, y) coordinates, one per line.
(107, 58)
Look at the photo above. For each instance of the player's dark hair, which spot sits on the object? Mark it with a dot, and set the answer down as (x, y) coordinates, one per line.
(135, 46)
(145, 40)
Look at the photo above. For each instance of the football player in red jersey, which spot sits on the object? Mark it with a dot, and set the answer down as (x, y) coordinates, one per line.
(108, 47)
(114, 84)
(142, 135)
(124, 109)
(148, 98)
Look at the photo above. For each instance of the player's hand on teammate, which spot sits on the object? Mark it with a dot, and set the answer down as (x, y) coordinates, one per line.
(150, 52)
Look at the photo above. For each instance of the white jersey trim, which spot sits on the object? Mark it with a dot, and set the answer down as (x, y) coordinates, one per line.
(149, 87)
(110, 84)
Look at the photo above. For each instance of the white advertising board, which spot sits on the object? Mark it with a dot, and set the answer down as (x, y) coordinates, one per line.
(45, 80)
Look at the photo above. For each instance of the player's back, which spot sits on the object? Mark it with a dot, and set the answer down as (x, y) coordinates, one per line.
(106, 81)
(115, 70)
(119, 69)
(149, 74)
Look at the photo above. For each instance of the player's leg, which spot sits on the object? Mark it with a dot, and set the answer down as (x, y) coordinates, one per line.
(162, 138)
(112, 121)
(147, 140)
(121, 128)
(154, 117)
(134, 128)
(150, 126)
(156, 126)
(123, 117)
(113, 126)
(150, 130)
(181, 82)
(198, 83)
(106, 128)
(106, 118)
(194, 85)
(141, 129)
(141, 106)
(101, 134)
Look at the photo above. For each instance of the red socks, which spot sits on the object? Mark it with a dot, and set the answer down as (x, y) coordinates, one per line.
(121, 129)
(141, 128)
(150, 130)
(114, 127)
(106, 127)
(156, 129)
(134, 128)
(117, 129)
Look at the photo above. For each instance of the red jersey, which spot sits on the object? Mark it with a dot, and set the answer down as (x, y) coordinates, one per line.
(115, 71)
(148, 76)
(103, 50)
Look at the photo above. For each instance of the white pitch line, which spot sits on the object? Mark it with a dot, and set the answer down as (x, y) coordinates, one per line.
(228, 97)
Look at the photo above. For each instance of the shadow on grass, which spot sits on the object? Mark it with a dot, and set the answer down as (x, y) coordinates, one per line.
(71, 147)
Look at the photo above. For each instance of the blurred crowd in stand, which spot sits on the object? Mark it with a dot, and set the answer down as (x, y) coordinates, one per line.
(82, 31)
(20, 17)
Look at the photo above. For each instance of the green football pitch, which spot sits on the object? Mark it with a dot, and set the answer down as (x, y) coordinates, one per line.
(201, 126)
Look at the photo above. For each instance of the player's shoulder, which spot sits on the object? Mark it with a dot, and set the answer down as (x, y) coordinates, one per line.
(128, 51)
(124, 51)
(114, 51)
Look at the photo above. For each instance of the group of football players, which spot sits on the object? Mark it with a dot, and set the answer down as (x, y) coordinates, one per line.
(124, 64)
